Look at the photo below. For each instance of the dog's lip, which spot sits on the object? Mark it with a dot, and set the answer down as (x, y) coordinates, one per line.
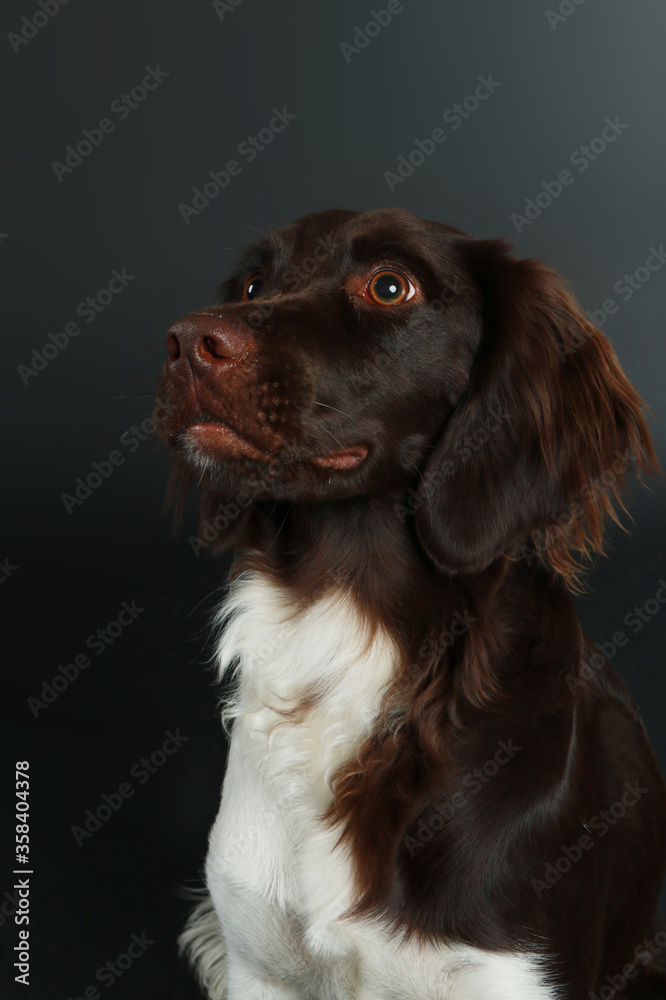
(348, 458)
(228, 443)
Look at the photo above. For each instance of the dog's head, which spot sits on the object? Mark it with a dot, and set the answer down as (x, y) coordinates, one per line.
(365, 353)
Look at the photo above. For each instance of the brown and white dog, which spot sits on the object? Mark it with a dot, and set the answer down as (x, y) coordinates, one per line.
(437, 788)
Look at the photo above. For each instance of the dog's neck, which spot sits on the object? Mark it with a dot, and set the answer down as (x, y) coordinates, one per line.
(368, 548)
(365, 546)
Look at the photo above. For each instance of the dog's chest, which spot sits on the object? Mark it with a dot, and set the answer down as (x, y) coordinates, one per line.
(273, 867)
(277, 877)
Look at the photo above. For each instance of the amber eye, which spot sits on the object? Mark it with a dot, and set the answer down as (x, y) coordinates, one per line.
(252, 288)
(388, 288)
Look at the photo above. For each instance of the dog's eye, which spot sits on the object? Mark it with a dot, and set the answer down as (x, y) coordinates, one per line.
(388, 288)
(252, 288)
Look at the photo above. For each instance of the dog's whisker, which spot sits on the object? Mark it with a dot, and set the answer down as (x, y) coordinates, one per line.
(343, 412)
(151, 350)
(337, 440)
(425, 485)
(276, 535)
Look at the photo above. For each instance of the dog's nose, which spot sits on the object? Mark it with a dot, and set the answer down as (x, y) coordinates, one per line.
(206, 340)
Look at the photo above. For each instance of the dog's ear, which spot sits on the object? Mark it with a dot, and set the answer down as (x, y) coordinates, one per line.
(536, 452)
(223, 523)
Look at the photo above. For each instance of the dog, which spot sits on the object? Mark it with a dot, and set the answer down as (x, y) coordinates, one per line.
(437, 787)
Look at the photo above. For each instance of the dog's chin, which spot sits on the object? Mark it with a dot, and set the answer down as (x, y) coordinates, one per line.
(230, 464)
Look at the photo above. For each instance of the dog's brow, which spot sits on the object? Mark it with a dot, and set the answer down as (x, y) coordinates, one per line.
(366, 249)
(267, 252)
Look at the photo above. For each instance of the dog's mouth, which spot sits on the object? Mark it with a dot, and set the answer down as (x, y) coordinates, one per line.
(220, 441)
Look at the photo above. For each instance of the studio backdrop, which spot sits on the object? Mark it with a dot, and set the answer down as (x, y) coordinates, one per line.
(143, 145)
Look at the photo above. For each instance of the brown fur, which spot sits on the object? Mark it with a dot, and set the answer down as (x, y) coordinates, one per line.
(499, 429)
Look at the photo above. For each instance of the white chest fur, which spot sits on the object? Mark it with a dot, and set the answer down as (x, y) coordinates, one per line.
(278, 882)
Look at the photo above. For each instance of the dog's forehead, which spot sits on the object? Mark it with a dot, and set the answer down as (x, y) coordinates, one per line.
(338, 239)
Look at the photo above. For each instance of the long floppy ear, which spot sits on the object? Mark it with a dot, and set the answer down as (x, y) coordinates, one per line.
(536, 452)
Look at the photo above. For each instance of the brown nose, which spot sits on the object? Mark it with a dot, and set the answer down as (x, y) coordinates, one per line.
(206, 340)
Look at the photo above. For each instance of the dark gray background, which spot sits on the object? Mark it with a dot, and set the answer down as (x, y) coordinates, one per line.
(119, 208)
